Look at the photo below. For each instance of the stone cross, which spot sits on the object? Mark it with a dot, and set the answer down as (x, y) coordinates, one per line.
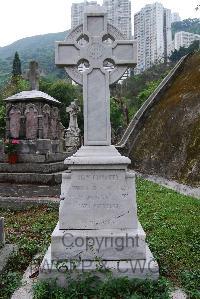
(33, 75)
(73, 111)
(2, 233)
(95, 52)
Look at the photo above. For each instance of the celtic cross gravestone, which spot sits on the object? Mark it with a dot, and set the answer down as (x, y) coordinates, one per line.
(96, 80)
(98, 198)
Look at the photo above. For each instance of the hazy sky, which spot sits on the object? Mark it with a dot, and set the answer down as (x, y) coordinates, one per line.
(22, 18)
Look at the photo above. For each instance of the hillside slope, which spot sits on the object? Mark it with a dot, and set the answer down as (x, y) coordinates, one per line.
(188, 25)
(167, 142)
(40, 48)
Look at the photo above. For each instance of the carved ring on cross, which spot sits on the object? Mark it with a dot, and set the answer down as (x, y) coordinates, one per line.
(95, 52)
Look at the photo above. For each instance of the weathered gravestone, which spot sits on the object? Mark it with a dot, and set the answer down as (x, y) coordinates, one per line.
(73, 111)
(72, 134)
(2, 233)
(33, 75)
(98, 224)
(15, 119)
(5, 249)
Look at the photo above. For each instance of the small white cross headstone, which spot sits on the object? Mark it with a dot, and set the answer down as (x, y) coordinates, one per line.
(73, 111)
(96, 80)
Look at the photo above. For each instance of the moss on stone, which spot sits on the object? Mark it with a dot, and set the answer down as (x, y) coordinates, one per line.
(168, 143)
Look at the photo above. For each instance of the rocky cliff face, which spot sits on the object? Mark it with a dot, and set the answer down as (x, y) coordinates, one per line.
(168, 142)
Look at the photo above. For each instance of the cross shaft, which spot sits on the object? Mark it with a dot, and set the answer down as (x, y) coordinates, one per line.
(96, 93)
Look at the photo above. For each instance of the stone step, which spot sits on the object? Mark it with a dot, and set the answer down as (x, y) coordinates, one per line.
(28, 191)
(32, 178)
(32, 167)
(39, 158)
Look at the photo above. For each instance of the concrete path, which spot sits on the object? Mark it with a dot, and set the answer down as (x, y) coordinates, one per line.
(183, 189)
(26, 289)
(28, 191)
(178, 294)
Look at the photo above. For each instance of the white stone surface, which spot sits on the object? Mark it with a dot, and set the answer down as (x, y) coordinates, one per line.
(178, 294)
(105, 244)
(97, 157)
(96, 80)
(99, 199)
(98, 191)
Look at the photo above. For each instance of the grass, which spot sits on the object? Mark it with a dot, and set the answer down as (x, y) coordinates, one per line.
(172, 223)
(170, 220)
(91, 287)
(31, 230)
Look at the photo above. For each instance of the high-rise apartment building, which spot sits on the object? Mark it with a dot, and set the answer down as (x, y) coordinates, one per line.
(119, 14)
(184, 39)
(77, 10)
(152, 30)
(176, 17)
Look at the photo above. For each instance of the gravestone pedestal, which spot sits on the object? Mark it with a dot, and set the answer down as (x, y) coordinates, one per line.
(98, 225)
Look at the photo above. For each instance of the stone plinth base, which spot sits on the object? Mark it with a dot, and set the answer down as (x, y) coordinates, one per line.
(98, 224)
(34, 168)
(32, 173)
(113, 244)
(31, 178)
(72, 139)
(41, 146)
(137, 268)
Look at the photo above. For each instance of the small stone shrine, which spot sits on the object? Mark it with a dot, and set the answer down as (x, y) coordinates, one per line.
(98, 225)
(33, 118)
(72, 134)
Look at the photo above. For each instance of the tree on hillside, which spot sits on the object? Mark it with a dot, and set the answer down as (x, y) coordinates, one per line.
(16, 70)
(135, 84)
(188, 25)
(178, 54)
